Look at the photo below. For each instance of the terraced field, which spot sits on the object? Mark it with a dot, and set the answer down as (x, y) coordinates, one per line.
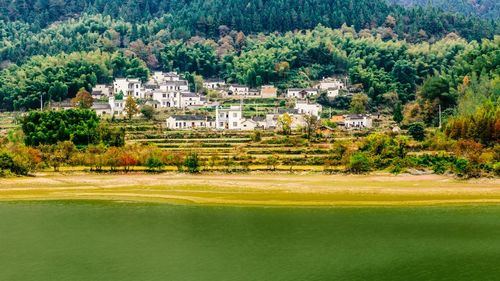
(235, 148)
(7, 122)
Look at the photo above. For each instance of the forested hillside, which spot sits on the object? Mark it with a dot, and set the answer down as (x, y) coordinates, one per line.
(415, 57)
(188, 18)
(482, 8)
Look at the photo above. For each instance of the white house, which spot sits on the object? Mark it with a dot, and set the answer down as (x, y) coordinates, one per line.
(102, 108)
(101, 90)
(330, 83)
(172, 86)
(238, 90)
(117, 106)
(331, 93)
(229, 118)
(160, 77)
(191, 100)
(128, 86)
(166, 99)
(260, 121)
(213, 84)
(300, 93)
(306, 108)
(181, 122)
(248, 125)
(358, 121)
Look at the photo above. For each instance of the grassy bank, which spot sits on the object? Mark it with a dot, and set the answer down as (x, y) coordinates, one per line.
(262, 189)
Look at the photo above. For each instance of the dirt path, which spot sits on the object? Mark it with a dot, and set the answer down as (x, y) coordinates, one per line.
(255, 189)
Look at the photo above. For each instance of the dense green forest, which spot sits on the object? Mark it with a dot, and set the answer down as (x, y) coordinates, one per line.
(385, 69)
(186, 18)
(483, 8)
(410, 60)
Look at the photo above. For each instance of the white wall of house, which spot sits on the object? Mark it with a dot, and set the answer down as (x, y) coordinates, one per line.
(248, 125)
(239, 90)
(331, 93)
(213, 84)
(361, 121)
(331, 83)
(313, 109)
(160, 76)
(297, 93)
(182, 123)
(117, 106)
(129, 87)
(191, 100)
(229, 118)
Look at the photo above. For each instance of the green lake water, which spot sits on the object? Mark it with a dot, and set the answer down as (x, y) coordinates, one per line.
(118, 241)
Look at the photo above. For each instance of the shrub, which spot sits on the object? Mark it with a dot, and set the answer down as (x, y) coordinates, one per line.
(148, 112)
(256, 136)
(154, 164)
(8, 163)
(192, 163)
(272, 161)
(359, 163)
(465, 169)
(496, 168)
(417, 131)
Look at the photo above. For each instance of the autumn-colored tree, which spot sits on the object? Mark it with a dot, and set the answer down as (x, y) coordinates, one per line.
(127, 159)
(285, 123)
(112, 157)
(95, 157)
(131, 107)
(469, 149)
(390, 21)
(83, 99)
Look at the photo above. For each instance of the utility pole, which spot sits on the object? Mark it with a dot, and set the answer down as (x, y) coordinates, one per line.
(41, 102)
(440, 119)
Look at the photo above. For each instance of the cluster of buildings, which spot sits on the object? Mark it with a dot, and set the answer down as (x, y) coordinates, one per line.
(163, 90)
(239, 91)
(332, 87)
(170, 90)
(232, 118)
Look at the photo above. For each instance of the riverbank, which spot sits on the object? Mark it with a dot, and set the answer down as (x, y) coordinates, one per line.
(259, 189)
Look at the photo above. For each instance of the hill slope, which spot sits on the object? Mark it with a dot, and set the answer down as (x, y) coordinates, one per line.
(482, 8)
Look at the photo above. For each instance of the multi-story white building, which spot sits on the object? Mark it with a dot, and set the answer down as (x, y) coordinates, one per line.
(173, 86)
(229, 118)
(129, 87)
(117, 106)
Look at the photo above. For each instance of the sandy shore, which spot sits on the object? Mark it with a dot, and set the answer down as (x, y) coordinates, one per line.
(256, 189)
